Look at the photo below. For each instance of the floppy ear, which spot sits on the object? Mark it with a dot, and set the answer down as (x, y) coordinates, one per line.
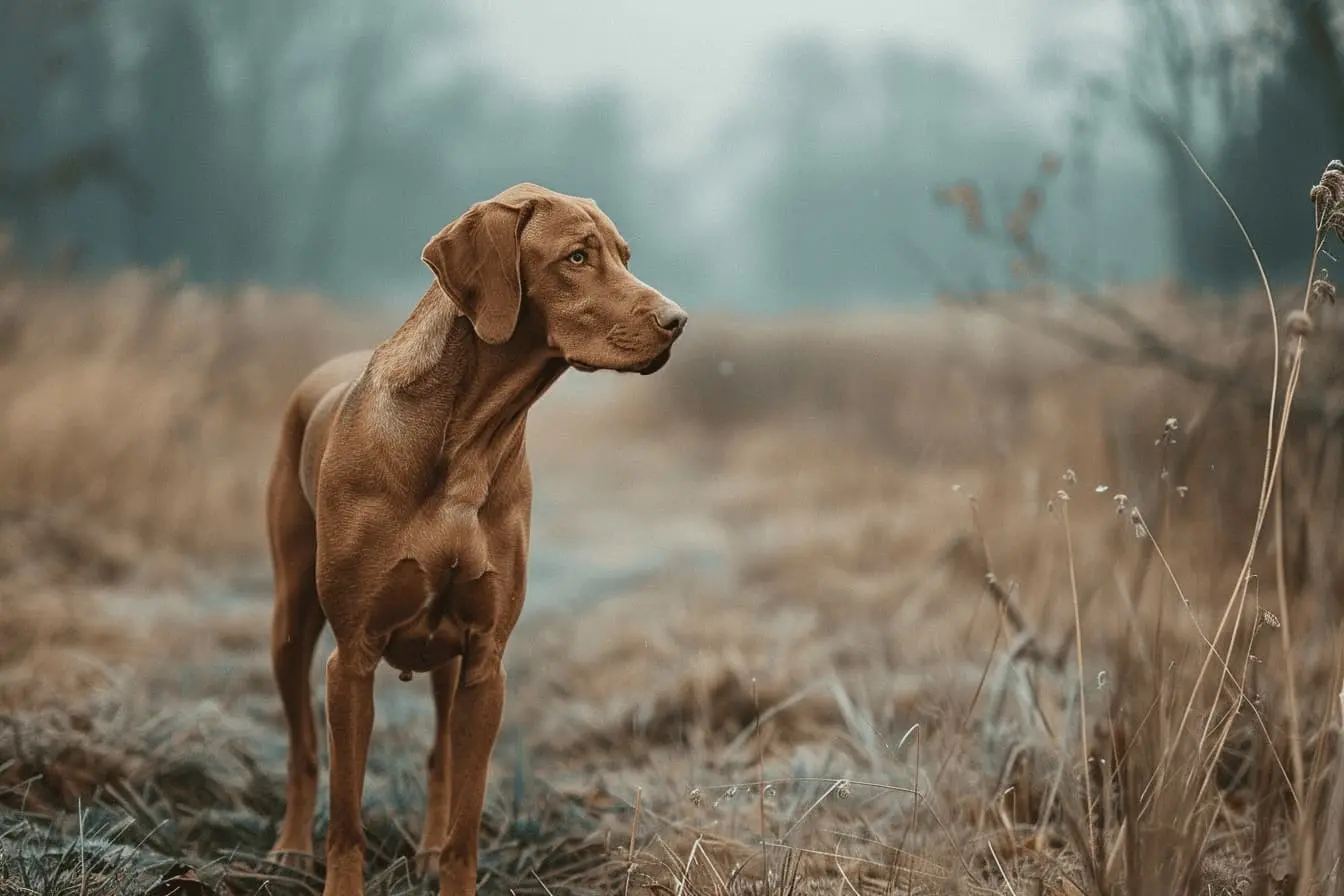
(476, 262)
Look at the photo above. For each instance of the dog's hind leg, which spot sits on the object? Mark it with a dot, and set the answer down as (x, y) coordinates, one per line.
(439, 801)
(295, 627)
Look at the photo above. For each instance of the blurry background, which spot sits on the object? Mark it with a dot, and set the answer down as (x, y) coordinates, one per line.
(967, 432)
(763, 155)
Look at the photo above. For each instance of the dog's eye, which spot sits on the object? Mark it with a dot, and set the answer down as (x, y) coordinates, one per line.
(578, 256)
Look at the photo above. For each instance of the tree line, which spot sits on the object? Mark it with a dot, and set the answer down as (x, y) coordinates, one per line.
(301, 143)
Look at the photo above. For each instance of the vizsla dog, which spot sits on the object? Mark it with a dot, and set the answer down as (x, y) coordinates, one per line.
(400, 500)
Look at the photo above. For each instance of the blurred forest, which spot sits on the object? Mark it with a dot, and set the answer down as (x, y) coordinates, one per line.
(309, 143)
(1257, 88)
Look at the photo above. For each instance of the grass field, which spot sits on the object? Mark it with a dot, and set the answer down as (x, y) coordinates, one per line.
(864, 603)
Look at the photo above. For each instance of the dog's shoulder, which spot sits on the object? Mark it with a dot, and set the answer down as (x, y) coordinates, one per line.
(334, 372)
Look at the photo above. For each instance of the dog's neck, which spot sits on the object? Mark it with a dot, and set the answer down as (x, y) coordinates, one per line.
(458, 405)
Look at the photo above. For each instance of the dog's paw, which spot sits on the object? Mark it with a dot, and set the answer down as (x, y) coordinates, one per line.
(301, 860)
(427, 865)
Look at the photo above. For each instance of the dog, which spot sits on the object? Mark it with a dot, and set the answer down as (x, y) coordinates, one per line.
(399, 505)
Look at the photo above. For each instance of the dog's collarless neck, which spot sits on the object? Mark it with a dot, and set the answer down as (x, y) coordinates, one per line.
(461, 416)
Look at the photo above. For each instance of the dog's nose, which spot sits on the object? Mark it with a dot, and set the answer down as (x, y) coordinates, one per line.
(670, 317)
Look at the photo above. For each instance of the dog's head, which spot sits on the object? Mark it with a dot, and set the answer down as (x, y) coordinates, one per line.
(558, 262)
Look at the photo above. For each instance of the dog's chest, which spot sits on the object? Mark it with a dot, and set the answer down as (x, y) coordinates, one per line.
(449, 621)
(456, 548)
(415, 648)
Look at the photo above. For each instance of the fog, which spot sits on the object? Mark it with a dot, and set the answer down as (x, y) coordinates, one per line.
(758, 156)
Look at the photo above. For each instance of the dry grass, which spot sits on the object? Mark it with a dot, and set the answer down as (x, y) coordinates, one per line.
(147, 408)
(868, 503)
(917, 730)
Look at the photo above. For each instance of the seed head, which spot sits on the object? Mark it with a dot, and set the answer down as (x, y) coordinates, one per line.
(1299, 324)
(1140, 530)
(1327, 196)
(1121, 503)
(844, 790)
(1333, 180)
(697, 797)
(1335, 222)
(1321, 198)
(1322, 291)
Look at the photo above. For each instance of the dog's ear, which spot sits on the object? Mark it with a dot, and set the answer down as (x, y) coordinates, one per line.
(476, 261)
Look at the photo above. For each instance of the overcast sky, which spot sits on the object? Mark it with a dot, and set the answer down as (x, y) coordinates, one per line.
(687, 60)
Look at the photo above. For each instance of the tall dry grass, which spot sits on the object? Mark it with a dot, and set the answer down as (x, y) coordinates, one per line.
(138, 417)
(147, 409)
(874, 472)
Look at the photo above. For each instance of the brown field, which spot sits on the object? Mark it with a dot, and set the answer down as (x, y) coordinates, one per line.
(766, 564)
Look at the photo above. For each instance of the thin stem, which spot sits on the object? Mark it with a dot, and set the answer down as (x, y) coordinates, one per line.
(1078, 654)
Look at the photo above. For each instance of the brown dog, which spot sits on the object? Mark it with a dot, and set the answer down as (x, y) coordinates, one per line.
(399, 504)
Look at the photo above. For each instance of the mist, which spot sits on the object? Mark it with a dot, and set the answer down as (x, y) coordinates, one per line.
(757, 160)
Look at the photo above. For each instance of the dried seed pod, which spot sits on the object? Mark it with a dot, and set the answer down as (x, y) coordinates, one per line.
(1336, 223)
(1322, 291)
(1299, 324)
(1333, 181)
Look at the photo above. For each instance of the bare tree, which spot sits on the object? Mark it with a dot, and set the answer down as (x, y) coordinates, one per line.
(260, 41)
(1257, 89)
(362, 62)
(55, 137)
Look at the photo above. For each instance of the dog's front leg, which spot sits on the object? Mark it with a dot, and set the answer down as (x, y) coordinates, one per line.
(474, 726)
(349, 726)
(438, 803)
